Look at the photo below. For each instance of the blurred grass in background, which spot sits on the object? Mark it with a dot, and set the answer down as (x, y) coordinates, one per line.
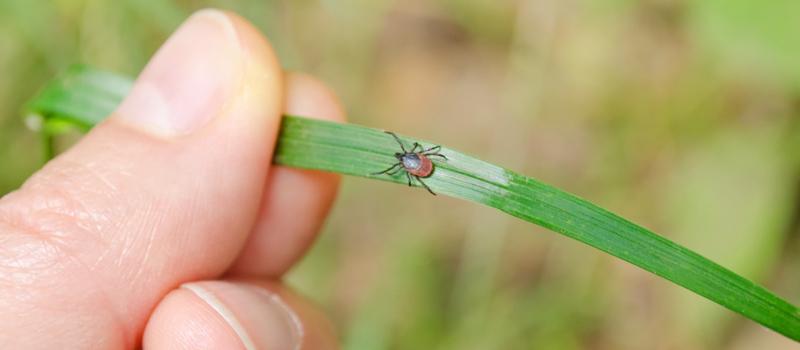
(680, 115)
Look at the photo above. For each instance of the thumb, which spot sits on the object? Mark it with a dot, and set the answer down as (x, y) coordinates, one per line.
(165, 191)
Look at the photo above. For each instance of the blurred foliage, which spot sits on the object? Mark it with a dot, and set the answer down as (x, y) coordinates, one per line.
(682, 115)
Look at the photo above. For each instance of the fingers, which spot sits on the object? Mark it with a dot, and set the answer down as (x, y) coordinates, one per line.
(166, 191)
(237, 315)
(295, 201)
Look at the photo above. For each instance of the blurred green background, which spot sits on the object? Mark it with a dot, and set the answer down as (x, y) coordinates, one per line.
(680, 115)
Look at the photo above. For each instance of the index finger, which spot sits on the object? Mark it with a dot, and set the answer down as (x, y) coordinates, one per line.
(295, 201)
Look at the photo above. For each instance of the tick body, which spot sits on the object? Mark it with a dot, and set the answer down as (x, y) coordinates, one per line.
(417, 164)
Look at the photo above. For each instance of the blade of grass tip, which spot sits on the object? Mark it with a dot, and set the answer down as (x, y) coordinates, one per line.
(360, 151)
(81, 95)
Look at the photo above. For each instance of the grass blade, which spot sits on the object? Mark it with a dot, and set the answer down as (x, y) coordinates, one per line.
(84, 96)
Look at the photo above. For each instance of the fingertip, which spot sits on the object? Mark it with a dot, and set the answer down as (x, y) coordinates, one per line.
(309, 97)
(319, 332)
(184, 321)
(236, 315)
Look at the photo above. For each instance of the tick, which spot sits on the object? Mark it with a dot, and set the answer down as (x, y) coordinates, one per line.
(416, 164)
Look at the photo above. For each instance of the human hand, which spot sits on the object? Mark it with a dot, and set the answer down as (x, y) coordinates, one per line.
(167, 226)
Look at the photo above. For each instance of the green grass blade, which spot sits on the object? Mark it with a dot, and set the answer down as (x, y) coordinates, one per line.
(85, 96)
(82, 96)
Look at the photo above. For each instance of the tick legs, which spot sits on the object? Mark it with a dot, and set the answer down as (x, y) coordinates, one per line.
(408, 176)
(388, 169)
(394, 169)
(434, 152)
(423, 184)
(402, 147)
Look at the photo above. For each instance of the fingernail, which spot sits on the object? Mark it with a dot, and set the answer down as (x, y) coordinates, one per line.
(261, 319)
(188, 80)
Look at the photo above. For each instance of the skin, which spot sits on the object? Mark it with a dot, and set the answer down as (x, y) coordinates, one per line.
(167, 226)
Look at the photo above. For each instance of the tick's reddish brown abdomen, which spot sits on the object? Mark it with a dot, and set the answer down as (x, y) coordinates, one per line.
(424, 169)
